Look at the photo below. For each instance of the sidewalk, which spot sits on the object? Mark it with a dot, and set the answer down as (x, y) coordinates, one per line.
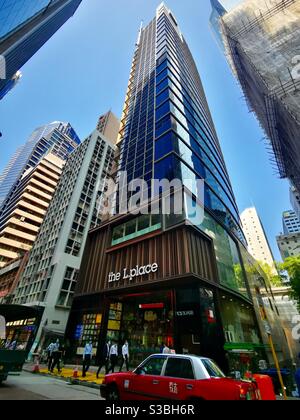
(68, 374)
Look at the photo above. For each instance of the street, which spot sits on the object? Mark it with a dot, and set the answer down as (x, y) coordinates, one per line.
(34, 387)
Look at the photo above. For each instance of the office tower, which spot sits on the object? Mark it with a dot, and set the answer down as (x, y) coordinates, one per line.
(59, 137)
(21, 219)
(290, 221)
(164, 276)
(219, 9)
(295, 200)
(25, 26)
(258, 244)
(261, 40)
(51, 273)
(10, 84)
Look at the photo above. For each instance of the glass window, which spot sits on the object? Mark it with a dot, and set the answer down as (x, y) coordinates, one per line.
(143, 222)
(152, 366)
(179, 368)
(130, 227)
(213, 370)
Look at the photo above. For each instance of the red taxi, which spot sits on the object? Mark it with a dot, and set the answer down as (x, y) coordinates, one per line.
(176, 377)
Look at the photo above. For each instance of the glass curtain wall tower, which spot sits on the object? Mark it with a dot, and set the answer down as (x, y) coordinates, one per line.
(167, 278)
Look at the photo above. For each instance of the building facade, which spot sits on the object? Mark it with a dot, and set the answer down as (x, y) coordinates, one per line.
(295, 201)
(161, 276)
(290, 222)
(51, 273)
(25, 26)
(258, 244)
(21, 219)
(59, 137)
(289, 245)
(261, 41)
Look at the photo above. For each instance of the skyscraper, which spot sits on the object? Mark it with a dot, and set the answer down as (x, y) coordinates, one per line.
(60, 137)
(25, 26)
(258, 244)
(21, 219)
(51, 273)
(261, 41)
(290, 221)
(178, 278)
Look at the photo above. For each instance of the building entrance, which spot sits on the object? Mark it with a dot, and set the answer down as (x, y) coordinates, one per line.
(146, 320)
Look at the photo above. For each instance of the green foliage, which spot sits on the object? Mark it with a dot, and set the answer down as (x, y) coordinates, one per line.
(292, 266)
(274, 280)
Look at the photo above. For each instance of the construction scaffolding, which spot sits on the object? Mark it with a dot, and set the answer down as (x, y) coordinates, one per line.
(262, 43)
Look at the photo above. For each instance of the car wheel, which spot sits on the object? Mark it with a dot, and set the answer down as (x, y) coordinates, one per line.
(112, 393)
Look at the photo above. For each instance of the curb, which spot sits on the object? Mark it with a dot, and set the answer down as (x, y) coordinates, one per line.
(69, 380)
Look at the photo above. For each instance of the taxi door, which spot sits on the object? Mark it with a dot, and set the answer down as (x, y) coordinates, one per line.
(146, 382)
(178, 379)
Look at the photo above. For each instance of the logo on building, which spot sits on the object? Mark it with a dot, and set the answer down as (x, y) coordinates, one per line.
(2, 68)
(130, 274)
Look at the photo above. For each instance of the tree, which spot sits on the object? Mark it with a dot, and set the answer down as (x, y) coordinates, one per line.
(292, 266)
(274, 280)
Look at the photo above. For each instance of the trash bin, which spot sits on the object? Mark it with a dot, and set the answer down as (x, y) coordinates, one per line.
(265, 386)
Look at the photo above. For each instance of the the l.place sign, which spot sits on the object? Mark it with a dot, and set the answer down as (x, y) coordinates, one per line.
(130, 274)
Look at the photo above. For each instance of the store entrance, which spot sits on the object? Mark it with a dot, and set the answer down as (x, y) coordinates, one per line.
(146, 320)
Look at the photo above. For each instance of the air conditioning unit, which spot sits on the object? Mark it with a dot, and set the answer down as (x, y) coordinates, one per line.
(23, 219)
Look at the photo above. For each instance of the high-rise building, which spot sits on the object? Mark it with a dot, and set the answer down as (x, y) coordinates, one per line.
(290, 221)
(10, 84)
(25, 26)
(178, 278)
(261, 40)
(295, 200)
(21, 219)
(289, 245)
(59, 137)
(51, 273)
(219, 9)
(258, 244)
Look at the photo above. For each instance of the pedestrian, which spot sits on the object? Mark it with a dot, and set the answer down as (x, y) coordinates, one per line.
(113, 356)
(166, 349)
(87, 358)
(56, 356)
(125, 356)
(50, 349)
(104, 358)
(297, 377)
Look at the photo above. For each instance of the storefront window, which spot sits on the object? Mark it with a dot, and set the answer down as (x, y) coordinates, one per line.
(238, 321)
(145, 320)
(88, 330)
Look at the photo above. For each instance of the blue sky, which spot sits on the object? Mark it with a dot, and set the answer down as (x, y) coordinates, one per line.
(83, 71)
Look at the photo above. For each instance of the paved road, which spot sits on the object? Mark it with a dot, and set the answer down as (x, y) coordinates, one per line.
(34, 387)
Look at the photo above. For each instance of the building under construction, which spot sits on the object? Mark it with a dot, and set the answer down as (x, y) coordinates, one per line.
(262, 43)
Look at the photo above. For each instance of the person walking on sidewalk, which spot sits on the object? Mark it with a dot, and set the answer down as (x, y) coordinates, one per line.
(113, 356)
(87, 358)
(50, 349)
(105, 359)
(125, 356)
(56, 356)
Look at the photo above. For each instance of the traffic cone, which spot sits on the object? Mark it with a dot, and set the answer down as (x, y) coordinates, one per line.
(75, 372)
(36, 368)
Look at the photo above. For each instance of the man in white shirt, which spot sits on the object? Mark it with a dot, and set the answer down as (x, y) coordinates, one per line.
(113, 356)
(125, 356)
(87, 358)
